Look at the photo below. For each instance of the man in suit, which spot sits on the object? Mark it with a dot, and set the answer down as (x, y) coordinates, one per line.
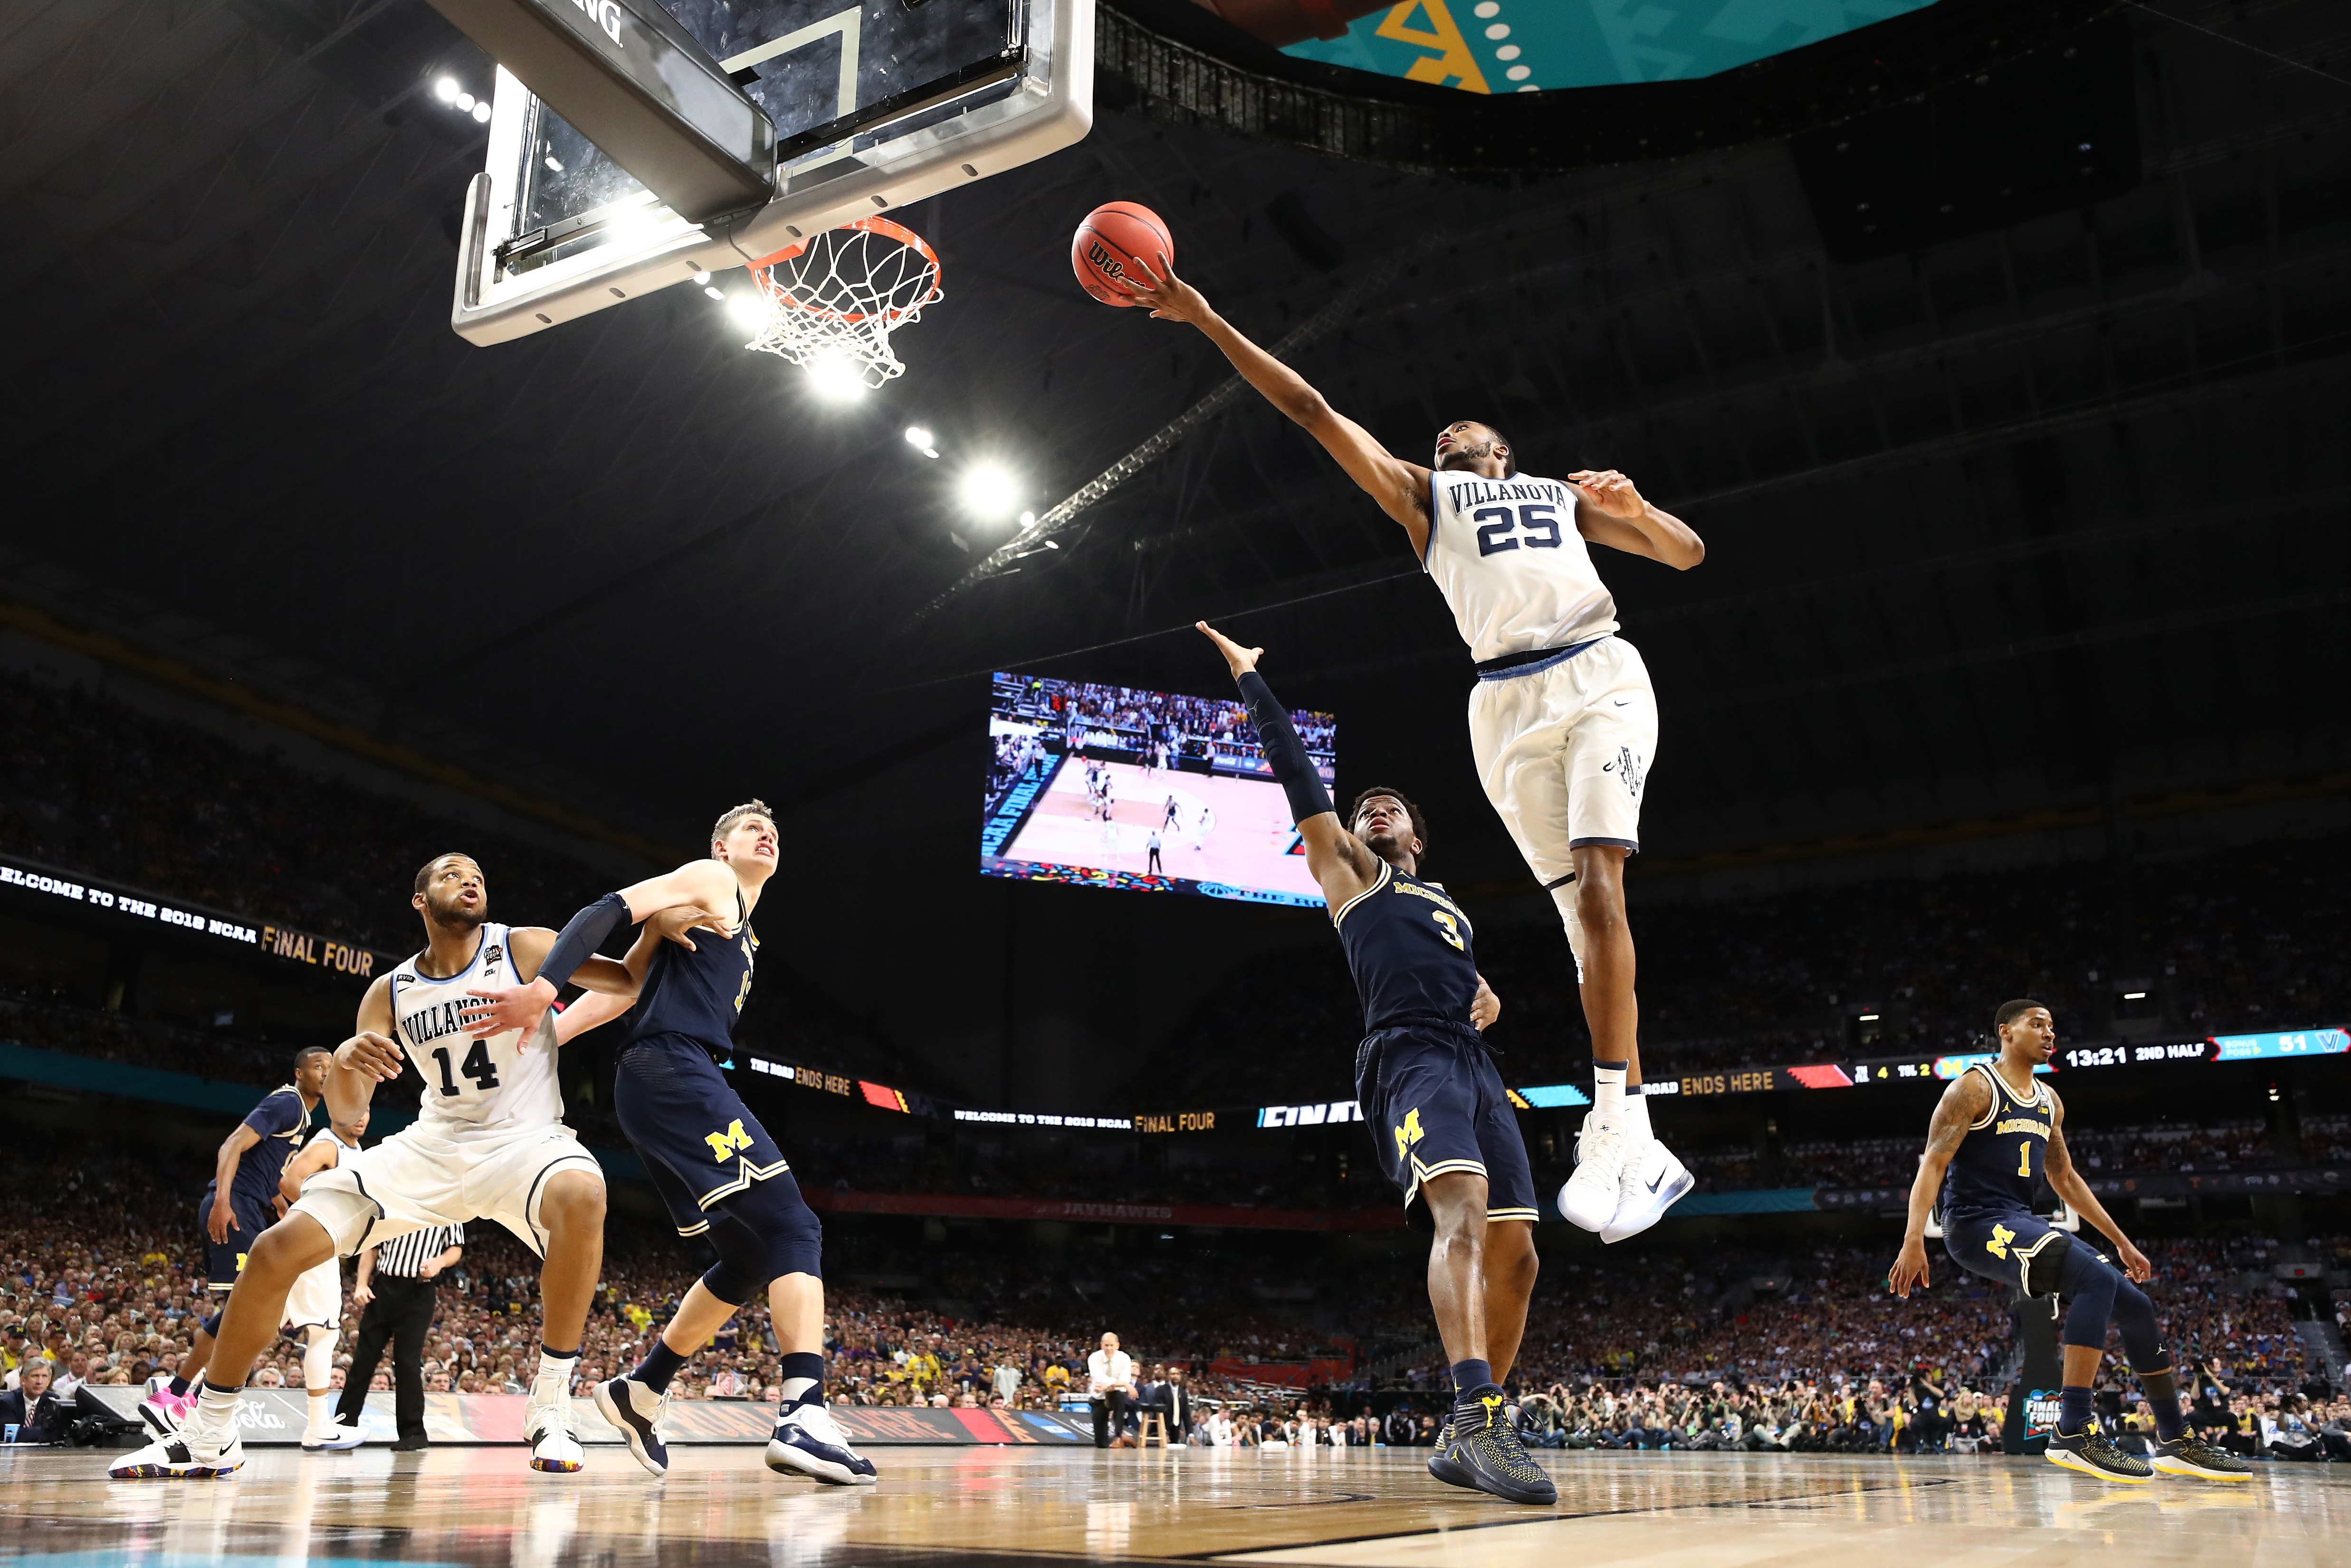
(1167, 1394)
(32, 1408)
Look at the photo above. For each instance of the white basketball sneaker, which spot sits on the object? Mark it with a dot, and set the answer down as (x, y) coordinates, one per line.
(1654, 1181)
(810, 1442)
(334, 1437)
(201, 1450)
(1590, 1197)
(553, 1437)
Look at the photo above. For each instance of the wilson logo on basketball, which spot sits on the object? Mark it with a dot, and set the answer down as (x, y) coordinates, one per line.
(1104, 260)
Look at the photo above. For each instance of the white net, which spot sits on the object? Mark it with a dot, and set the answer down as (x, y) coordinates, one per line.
(835, 300)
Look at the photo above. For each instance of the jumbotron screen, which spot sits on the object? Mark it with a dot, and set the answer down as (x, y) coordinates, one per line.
(1116, 787)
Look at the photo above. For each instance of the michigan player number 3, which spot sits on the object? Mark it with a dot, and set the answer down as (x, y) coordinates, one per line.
(476, 1066)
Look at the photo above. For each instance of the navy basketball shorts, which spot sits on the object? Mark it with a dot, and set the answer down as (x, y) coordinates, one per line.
(701, 1145)
(224, 1261)
(1999, 1244)
(1434, 1104)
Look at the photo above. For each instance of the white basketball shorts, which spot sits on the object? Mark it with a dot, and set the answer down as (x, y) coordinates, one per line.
(1563, 749)
(422, 1175)
(316, 1297)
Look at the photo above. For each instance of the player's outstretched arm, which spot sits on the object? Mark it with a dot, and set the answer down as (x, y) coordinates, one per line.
(1341, 864)
(1611, 512)
(1961, 1103)
(2066, 1182)
(1400, 488)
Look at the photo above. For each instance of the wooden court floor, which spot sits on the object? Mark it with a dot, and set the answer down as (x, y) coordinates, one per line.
(1373, 1507)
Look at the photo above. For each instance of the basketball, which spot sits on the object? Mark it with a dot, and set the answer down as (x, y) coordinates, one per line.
(1112, 237)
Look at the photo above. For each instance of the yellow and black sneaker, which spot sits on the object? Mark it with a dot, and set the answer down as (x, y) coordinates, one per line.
(1485, 1445)
(1444, 1466)
(2189, 1455)
(2089, 1452)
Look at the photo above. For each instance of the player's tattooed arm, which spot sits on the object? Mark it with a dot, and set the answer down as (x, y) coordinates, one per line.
(2066, 1182)
(1400, 488)
(1610, 511)
(1962, 1103)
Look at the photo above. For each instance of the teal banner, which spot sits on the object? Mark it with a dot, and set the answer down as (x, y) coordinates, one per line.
(1536, 45)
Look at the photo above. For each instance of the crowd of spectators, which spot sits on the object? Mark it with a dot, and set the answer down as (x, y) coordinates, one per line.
(107, 1287)
(2246, 940)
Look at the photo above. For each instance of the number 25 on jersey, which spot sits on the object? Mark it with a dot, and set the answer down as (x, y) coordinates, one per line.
(1533, 523)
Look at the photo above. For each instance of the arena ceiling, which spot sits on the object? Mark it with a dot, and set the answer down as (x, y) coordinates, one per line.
(2012, 422)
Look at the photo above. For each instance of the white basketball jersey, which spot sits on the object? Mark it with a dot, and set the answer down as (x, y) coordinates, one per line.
(1505, 555)
(328, 1134)
(470, 1082)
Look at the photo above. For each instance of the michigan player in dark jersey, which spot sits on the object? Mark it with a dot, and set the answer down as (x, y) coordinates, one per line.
(1436, 1109)
(239, 1203)
(721, 1176)
(1998, 1133)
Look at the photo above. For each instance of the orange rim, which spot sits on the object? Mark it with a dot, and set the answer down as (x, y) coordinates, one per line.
(877, 224)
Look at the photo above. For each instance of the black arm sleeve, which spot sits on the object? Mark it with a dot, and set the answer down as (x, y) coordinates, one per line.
(578, 940)
(1284, 751)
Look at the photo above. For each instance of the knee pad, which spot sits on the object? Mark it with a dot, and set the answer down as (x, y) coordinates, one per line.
(770, 1231)
(2044, 1271)
(319, 1360)
(2092, 1281)
(2142, 1339)
(1563, 893)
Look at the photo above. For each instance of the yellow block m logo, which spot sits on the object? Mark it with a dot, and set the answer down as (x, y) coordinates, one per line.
(1998, 1246)
(1409, 1133)
(726, 1143)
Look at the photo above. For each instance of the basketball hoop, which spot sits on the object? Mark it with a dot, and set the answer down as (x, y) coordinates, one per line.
(834, 297)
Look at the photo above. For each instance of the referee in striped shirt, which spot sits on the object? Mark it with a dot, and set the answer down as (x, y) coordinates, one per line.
(394, 1288)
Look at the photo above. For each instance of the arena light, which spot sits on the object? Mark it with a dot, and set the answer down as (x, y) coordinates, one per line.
(990, 492)
(447, 89)
(917, 436)
(2134, 995)
(1028, 519)
(465, 102)
(748, 309)
(703, 278)
(482, 111)
(714, 292)
(836, 378)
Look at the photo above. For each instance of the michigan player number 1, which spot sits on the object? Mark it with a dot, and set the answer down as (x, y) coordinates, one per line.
(2025, 1157)
(476, 1066)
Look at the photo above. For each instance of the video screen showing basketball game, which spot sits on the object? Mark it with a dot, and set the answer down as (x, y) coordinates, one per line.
(1117, 787)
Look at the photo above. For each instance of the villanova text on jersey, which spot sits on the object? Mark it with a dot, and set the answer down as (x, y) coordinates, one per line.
(1408, 944)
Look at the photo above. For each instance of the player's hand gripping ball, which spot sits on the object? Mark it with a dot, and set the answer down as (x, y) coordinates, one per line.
(1111, 242)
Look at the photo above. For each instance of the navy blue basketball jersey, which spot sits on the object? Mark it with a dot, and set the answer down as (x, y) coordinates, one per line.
(1999, 1163)
(278, 1120)
(699, 993)
(1408, 944)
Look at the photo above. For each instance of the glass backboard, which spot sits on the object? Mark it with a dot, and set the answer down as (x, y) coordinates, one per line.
(876, 104)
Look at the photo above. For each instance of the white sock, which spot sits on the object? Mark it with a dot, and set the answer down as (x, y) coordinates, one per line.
(322, 1413)
(554, 1378)
(1636, 1112)
(1608, 1090)
(217, 1409)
